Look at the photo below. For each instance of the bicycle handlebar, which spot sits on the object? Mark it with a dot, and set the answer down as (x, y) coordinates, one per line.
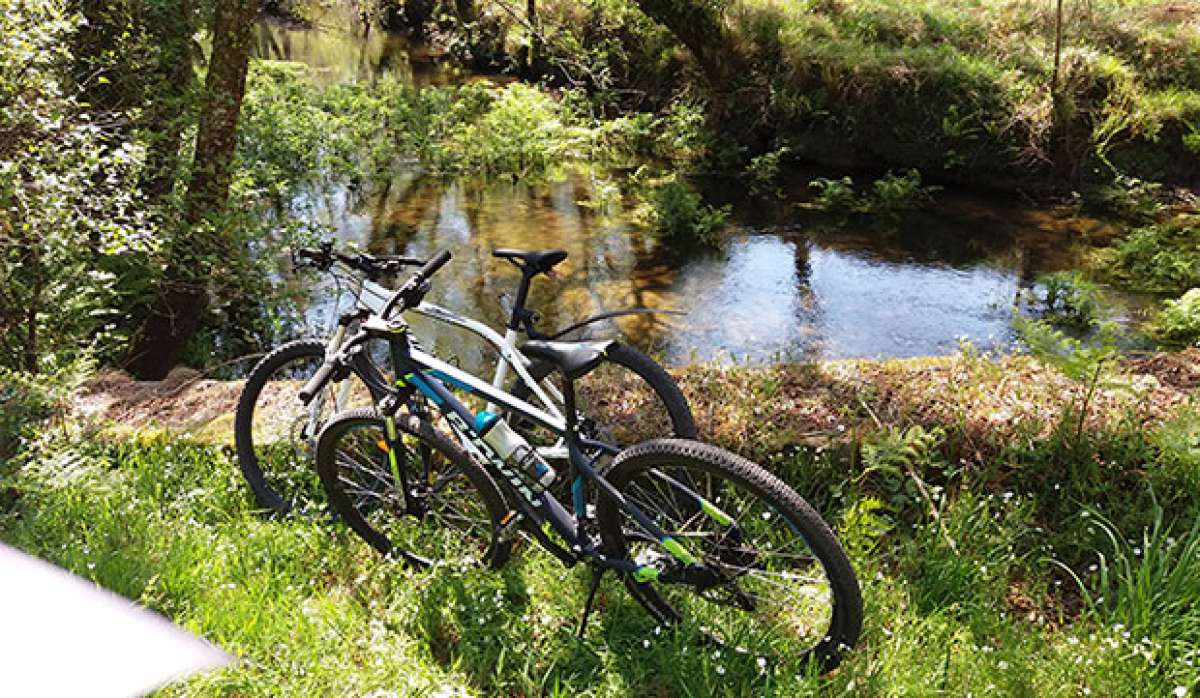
(409, 295)
(374, 266)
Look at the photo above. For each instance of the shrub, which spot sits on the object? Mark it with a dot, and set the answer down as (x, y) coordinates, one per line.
(1178, 323)
(1161, 257)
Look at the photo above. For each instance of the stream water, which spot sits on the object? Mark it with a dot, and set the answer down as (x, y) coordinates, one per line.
(786, 285)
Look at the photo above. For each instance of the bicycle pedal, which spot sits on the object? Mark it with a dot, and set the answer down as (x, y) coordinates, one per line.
(510, 525)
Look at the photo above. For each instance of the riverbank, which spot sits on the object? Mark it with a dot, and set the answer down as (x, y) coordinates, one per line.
(999, 94)
(762, 410)
(1002, 549)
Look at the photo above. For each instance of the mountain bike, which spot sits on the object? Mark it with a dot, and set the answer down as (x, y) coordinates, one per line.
(274, 433)
(698, 534)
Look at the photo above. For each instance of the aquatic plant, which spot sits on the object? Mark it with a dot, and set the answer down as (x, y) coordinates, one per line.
(680, 216)
(1068, 299)
(889, 198)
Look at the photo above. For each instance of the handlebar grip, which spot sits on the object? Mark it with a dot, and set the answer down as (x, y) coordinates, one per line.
(317, 382)
(439, 260)
(415, 288)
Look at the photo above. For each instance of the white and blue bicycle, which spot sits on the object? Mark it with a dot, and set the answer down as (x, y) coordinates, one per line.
(625, 398)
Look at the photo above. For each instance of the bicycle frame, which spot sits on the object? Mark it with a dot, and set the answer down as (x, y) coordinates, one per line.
(374, 296)
(418, 371)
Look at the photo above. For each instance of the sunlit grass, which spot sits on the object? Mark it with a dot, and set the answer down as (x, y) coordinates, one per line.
(960, 605)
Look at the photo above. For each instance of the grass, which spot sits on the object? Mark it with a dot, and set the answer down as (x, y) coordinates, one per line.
(965, 576)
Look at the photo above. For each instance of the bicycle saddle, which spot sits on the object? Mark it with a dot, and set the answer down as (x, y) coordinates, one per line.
(574, 359)
(535, 261)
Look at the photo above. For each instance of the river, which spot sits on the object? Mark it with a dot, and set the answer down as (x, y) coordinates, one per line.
(787, 285)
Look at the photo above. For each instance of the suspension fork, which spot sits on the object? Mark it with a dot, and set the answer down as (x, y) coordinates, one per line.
(318, 404)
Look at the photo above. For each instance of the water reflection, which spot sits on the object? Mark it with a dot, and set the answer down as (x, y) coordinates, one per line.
(786, 285)
(340, 48)
(784, 290)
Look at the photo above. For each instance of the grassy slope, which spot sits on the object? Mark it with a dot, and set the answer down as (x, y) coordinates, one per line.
(960, 90)
(961, 601)
(964, 87)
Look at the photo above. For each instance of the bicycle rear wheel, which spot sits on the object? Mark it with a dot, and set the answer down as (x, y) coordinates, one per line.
(777, 582)
(453, 509)
(627, 398)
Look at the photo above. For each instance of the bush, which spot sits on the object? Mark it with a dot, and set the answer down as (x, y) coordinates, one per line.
(681, 216)
(1178, 323)
(25, 400)
(1163, 257)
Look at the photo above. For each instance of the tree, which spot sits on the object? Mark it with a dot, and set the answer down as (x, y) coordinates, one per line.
(700, 26)
(198, 245)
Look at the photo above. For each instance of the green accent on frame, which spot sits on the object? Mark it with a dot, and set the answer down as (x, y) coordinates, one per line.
(645, 574)
(681, 553)
(714, 513)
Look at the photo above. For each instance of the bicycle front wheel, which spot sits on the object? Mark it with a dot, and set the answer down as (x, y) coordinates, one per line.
(775, 582)
(451, 512)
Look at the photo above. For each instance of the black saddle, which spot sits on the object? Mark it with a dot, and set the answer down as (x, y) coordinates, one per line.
(574, 359)
(533, 261)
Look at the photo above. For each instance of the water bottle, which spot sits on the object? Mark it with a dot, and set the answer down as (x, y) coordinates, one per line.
(513, 448)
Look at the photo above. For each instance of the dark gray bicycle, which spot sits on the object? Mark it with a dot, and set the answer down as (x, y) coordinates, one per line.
(698, 534)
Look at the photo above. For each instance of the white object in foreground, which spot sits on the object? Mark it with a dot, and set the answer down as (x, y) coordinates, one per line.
(61, 635)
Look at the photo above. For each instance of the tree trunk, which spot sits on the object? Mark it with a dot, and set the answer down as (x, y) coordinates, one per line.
(200, 244)
(700, 27)
(533, 55)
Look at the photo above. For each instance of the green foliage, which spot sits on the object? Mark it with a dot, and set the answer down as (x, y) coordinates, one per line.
(1178, 323)
(1161, 257)
(1076, 359)
(1083, 362)
(834, 195)
(1177, 441)
(680, 216)
(764, 170)
(893, 194)
(75, 238)
(1067, 299)
(1127, 197)
(522, 133)
(890, 196)
(25, 401)
(897, 457)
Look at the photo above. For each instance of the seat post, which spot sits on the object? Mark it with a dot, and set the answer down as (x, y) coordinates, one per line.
(518, 311)
(569, 406)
